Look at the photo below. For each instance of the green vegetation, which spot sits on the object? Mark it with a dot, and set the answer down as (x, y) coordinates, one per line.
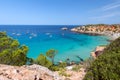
(11, 52)
(62, 64)
(51, 54)
(76, 68)
(42, 60)
(63, 73)
(107, 65)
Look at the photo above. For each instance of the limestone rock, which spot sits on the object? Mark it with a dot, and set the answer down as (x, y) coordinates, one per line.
(26, 72)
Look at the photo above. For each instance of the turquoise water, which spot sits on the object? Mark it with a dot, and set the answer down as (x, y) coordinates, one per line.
(39, 39)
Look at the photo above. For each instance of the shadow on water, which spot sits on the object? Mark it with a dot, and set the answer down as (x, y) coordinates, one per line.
(80, 42)
(81, 59)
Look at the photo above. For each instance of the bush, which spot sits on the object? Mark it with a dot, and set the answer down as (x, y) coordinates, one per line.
(42, 60)
(54, 68)
(107, 65)
(63, 73)
(76, 68)
(62, 64)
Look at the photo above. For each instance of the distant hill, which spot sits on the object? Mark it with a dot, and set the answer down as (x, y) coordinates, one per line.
(107, 65)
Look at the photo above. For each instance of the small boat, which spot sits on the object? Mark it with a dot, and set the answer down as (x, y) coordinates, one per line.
(30, 37)
(64, 28)
(13, 33)
(18, 34)
(47, 33)
(33, 34)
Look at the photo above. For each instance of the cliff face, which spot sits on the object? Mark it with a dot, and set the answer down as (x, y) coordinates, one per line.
(32, 72)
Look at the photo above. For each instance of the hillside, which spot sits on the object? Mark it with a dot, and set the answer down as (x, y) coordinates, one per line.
(113, 31)
(107, 65)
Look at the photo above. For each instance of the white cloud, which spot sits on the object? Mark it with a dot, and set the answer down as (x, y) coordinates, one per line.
(108, 7)
(107, 11)
(106, 16)
(111, 6)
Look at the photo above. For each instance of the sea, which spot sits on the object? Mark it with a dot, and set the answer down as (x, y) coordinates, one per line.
(41, 38)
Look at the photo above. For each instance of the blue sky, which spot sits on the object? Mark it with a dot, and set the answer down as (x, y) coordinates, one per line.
(59, 12)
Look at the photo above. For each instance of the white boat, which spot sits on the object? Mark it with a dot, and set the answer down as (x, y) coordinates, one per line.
(13, 33)
(64, 28)
(18, 34)
(30, 37)
(33, 34)
(47, 33)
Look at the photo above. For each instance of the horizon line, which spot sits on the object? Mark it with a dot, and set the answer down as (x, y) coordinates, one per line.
(56, 24)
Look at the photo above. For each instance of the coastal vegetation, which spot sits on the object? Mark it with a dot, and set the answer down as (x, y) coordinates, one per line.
(42, 60)
(107, 65)
(104, 67)
(11, 52)
(51, 54)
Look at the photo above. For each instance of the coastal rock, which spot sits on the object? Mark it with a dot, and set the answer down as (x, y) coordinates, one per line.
(112, 31)
(98, 51)
(32, 72)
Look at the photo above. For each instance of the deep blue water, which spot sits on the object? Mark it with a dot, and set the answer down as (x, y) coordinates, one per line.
(40, 38)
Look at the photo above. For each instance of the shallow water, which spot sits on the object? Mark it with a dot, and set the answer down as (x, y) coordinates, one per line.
(41, 38)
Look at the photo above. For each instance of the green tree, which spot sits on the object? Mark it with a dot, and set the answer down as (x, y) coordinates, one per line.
(51, 54)
(42, 60)
(11, 52)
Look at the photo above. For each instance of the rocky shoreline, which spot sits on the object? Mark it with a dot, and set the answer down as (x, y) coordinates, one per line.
(98, 51)
(112, 31)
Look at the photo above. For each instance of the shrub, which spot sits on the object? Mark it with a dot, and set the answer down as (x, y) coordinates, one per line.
(54, 68)
(63, 73)
(76, 68)
(107, 65)
(42, 60)
(62, 64)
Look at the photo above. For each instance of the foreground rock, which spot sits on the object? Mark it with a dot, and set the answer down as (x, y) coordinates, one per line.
(33, 72)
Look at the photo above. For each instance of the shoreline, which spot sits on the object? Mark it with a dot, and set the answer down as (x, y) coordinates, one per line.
(96, 30)
(112, 32)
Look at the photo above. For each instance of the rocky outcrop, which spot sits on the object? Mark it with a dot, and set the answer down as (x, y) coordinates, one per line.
(32, 72)
(112, 31)
(98, 51)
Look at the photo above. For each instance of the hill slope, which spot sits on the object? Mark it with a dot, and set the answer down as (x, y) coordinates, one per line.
(106, 66)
